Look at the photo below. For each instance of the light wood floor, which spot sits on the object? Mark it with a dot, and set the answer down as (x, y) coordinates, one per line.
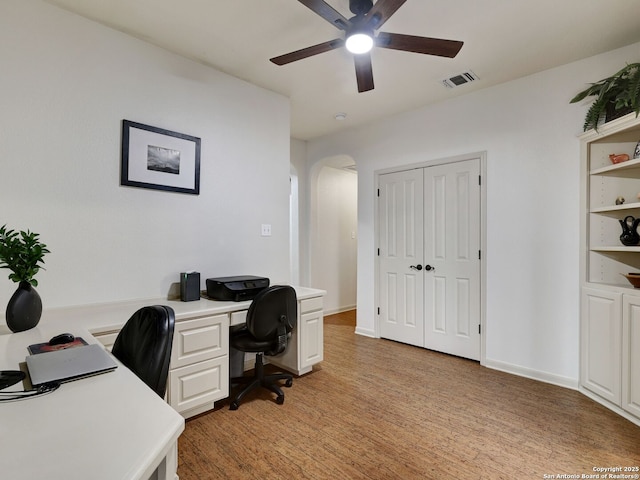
(376, 409)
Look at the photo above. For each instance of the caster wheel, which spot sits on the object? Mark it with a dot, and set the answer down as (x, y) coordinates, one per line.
(288, 383)
(280, 400)
(233, 406)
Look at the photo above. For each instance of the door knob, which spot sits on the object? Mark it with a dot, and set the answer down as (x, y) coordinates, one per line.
(429, 268)
(416, 267)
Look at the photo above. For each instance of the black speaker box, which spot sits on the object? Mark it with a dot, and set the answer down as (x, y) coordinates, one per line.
(189, 286)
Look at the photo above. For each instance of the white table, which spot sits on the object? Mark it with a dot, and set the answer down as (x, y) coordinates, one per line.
(110, 426)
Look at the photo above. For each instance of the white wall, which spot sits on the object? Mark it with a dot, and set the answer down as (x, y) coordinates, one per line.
(66, 85)
(528, 129)
(298, 149)
(333, 250)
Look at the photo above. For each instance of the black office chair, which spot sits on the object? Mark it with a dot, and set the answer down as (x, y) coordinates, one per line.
(144, 345)
(271, 317)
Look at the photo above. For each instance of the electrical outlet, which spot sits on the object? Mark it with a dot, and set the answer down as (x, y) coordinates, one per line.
(266, 230)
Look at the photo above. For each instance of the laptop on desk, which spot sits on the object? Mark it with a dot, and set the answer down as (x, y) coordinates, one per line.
(69, 364)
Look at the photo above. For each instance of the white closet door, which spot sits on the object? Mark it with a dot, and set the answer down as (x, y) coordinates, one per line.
(401, 284)
(451, 257)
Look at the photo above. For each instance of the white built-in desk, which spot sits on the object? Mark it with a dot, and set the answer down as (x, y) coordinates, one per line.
(199, 369)
(107, 427)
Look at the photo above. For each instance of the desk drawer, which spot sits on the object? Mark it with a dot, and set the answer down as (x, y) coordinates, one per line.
(311, 305)
(200, 339)
(107, 339)
(199, 384)
(238, 318)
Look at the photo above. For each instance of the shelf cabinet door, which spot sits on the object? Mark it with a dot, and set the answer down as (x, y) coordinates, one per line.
(631, 354)
(601, 343)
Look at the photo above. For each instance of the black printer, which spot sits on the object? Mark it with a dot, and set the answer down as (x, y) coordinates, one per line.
(235, 289)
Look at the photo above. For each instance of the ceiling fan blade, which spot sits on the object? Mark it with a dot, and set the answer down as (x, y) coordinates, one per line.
(426, 45)
(364, 72)
(308, 52)
(381, 11)
(327, 12)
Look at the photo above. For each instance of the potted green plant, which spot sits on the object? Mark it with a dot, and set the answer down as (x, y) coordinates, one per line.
(23, 254)
(616, 95)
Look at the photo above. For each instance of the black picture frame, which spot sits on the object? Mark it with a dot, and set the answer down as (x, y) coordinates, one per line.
(159, 159)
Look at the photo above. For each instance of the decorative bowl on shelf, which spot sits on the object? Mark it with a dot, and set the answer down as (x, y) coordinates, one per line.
(619, 158)
(634, 279)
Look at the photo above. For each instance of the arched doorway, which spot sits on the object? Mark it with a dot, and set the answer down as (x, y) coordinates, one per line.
(333, 231)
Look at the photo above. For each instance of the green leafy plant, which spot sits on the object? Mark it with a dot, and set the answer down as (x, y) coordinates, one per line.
(619, 93)
(22, 253)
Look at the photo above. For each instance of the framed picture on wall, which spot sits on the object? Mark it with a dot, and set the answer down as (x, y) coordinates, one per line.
(159, 159)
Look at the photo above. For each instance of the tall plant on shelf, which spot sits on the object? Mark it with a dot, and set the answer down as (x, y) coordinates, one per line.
(22, 253)
(616, 95)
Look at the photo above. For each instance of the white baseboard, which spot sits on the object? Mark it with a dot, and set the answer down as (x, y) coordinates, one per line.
(365, 332)
(546, 377)
(339, 310)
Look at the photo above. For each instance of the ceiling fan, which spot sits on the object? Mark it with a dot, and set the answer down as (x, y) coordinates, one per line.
(361, 36)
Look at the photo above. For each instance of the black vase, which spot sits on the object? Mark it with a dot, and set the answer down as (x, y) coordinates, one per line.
(24, 308)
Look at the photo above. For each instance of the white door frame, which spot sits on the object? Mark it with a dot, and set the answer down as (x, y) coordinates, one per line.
(483, 235)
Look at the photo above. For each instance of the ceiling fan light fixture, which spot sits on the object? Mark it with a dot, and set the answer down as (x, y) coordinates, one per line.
(361, 34)
(359, 42)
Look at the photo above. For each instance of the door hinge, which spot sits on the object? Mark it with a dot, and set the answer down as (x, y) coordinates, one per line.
(479, 329)
(479, 179)
(378, 252)
(378, 192)
(479, 254)
(378, 310)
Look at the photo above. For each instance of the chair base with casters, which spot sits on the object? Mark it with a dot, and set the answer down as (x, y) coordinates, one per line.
(259, 379)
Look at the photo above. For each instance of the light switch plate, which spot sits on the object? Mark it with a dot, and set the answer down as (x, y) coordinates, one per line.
(266, 230)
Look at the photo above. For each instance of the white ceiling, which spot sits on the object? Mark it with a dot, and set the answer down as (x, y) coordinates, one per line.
(503, 40)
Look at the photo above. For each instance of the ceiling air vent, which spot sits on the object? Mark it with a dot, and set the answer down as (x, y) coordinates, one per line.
(461, 79)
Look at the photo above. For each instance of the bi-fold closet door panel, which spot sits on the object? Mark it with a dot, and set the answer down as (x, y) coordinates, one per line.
(401, 231)
(452, 255)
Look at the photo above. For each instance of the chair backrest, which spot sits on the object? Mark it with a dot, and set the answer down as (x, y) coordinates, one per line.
(144, 345)
(272, 315)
